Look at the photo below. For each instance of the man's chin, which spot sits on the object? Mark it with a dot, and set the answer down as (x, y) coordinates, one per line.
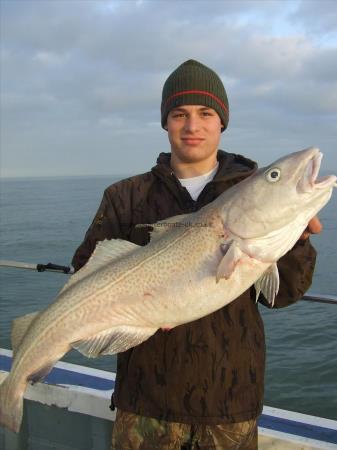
(192, 158)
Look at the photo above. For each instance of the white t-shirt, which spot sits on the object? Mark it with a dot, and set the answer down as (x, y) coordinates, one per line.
(195, 185)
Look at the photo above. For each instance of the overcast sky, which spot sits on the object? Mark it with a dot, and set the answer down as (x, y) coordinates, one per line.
(81, 80)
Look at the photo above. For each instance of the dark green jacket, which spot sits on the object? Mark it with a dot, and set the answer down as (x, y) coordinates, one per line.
(210, 370)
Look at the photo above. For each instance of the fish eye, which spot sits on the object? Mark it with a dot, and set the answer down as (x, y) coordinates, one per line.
(273, 175)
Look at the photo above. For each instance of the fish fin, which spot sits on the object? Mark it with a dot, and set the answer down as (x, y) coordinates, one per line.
(40, 374)
(110, 250)
(227, 265)
(160, 227)
(19, 329)
(268, 284)
(105, 252)
(11, 407)
(114, 340)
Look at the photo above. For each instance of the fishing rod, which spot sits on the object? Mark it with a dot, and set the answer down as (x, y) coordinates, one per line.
(50, 267)
(330, 299)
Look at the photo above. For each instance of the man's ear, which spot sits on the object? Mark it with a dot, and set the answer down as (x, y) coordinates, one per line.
(165, 127)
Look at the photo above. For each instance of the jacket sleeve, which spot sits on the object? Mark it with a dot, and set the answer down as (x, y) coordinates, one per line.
(107, 224)
(296, 270)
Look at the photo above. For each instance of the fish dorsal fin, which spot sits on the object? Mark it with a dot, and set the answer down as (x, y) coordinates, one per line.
(268, 284)
(162, 226)
(19, 329)
(227, 265)
(109, 250)
(105, 252)
(114, 340)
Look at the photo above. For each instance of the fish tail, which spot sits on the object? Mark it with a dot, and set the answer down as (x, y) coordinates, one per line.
(11, 406)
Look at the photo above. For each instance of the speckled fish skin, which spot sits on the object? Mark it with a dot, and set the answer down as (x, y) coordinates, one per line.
(193, 266)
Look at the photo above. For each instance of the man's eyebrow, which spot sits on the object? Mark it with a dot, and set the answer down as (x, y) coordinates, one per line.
(179, 108)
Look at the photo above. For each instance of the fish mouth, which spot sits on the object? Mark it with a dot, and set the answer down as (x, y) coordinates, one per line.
(310, 181)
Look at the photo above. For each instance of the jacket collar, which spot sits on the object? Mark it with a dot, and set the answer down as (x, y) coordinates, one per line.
(231, 167)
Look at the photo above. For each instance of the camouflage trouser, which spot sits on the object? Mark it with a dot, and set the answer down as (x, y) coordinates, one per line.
(133, 432)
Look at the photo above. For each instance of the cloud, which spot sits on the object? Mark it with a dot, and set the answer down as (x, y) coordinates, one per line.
(318, 17)
(84, 78)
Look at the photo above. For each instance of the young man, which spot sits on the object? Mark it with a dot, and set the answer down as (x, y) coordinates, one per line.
(199, 385)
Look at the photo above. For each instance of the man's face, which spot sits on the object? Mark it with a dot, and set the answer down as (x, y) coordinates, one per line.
(194, 132)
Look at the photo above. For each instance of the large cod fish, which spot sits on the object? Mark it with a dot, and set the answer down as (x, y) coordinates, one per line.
(193, 265)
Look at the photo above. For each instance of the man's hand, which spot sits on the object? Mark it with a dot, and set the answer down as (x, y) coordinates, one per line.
(314, 227)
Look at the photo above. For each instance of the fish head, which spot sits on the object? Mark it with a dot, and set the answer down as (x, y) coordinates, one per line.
(280, 199)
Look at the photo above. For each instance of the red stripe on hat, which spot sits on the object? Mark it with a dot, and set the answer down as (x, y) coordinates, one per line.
(198, 92)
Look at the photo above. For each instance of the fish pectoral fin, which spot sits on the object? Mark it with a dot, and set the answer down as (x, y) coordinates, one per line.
(105, 252)
(114, 340)
(19, 329)
(229, 261)
(268, 284)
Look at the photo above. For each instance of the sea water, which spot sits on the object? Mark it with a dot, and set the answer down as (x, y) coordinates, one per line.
(44, 220)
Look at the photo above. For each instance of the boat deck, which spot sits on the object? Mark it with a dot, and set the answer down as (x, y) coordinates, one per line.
(70, 410)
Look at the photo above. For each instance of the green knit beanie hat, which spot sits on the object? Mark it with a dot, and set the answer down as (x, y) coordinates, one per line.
(192, 83)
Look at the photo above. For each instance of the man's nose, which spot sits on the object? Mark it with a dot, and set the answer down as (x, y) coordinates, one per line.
(192, 123)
